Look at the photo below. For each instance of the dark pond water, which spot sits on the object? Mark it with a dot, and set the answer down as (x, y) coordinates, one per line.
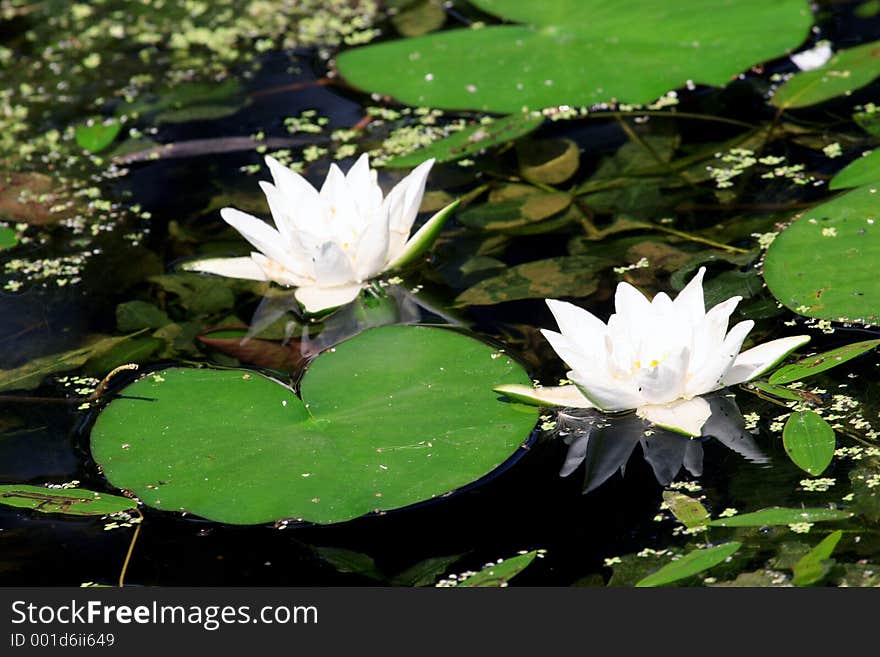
(133, 218)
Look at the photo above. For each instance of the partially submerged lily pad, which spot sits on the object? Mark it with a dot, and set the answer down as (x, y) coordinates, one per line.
(394, 416)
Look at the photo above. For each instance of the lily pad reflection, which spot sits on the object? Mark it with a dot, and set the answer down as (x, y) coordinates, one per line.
(604, 443)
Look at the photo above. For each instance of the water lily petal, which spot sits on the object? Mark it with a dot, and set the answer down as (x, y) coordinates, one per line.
(630, 304)
(243, 267)
(579, 326)
(405, 197)
(372, 250)
(315, 299)
(576, 358)
(364, 188)
(665, 381)
(710, 332)
(685, 416)
(278, 273)
(690, 301)
(710, 376)
(333, 266)
(757, 360)
(606, 392)
(342, 219)
(563, 396)
(265, 238)
(297, 190)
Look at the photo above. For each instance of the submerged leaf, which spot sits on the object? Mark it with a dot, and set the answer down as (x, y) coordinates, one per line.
(31, 374)
(573, 276)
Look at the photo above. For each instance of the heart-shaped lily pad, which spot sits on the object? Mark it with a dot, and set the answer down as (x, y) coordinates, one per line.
(391, 417)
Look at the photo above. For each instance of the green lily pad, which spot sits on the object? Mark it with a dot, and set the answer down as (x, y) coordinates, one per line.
(472, 140)
(8, 238)
(391, 417)
(779, 516)
(847, 71)
(821, 362)
(826, 264)
(859, 172)
(68, 501)
(692, 563)
(96, 136)
(809, 441)
(579, 52)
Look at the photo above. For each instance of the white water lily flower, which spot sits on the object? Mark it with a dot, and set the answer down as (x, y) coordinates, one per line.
(329, 243)
(655, 356)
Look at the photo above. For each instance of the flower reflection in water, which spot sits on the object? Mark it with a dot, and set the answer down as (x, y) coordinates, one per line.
(604, 443)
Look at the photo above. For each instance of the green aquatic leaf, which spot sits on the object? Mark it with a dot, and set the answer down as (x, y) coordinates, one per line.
(821, 362)
(8, 238)
(394, 416)
(847, 71)
(814, 565)
(97, 135)
(135, 315)
(826, 264)
(579, 52)
(472, 140)
(133, 350)
(499, 574)
(862, 171)
(780, 392)
(67, 501)
(687, 510)
(809, 441)
(779, 516)
(691, 564)
(31, 374)
(570, 276)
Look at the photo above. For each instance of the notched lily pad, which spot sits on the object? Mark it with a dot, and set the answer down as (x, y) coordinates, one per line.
(394, 416)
